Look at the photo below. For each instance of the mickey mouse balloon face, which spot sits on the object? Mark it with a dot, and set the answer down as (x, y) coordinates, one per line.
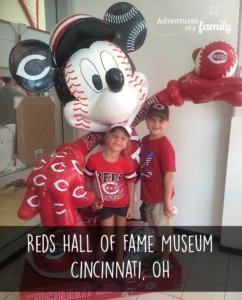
(95, 78)
(105, 88)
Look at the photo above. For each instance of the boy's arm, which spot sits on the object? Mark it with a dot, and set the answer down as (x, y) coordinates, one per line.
(131, 193)
(168, 188)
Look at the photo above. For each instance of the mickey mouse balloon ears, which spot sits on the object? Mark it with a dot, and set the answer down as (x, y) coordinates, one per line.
(129, 25)
(32, 63)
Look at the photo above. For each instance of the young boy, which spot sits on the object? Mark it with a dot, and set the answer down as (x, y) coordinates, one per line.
(157, 172)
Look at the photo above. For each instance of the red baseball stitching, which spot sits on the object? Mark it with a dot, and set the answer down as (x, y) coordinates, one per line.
(84, 111)
(74, 86)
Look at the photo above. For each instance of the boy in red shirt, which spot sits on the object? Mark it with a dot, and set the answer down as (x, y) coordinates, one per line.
(157, 175)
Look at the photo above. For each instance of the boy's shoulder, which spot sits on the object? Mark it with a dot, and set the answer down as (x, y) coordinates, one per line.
(166, 141)
(161, 139)
(162, 142)
(146, 137)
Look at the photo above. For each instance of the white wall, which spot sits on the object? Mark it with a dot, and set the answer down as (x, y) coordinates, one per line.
(232, 209)
(233, 187)
(200, 133)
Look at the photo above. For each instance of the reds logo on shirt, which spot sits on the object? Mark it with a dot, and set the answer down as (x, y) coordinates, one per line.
(110, 186)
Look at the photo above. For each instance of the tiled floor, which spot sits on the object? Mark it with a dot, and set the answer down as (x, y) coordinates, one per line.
(224, 272)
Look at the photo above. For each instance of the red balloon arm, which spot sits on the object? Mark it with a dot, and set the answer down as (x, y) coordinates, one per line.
(169, 96)
(84, 144)
(56, 186)
(199, 90)
(191, 87)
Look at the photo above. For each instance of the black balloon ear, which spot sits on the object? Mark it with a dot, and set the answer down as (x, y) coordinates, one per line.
(129, 25)
(31, 65)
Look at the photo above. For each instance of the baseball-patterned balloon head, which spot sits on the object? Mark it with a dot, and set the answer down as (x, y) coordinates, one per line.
(129, 24)
(104, 85)
(216, 60)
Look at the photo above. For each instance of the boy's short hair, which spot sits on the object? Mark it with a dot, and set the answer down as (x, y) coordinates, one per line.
(158, 110)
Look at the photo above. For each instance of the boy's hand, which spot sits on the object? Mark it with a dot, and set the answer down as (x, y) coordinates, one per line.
(168, 210)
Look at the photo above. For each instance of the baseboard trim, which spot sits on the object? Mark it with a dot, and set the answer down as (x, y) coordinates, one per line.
(8, 260)
(230, 250)
(179, 230)
(216, 238)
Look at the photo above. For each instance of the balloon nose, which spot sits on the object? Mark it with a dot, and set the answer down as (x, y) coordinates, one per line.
(115, 80)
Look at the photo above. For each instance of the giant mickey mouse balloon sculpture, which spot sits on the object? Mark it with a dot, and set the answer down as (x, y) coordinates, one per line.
(99, 86)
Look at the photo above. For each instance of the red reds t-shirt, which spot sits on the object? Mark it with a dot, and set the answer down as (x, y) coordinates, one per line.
(110, 179)
(157, 158)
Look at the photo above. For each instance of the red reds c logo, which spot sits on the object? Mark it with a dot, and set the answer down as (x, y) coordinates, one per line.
(218, 56)
(158, 106)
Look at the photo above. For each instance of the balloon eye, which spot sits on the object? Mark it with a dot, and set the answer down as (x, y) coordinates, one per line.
(108, 61)
(97, 82)
(91, 75)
